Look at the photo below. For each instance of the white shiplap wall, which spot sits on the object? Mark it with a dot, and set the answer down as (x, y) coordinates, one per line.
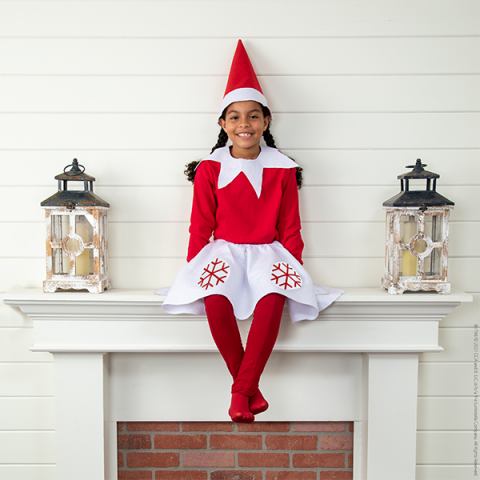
(359, 89)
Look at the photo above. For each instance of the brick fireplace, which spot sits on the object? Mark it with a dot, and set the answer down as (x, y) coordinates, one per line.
(120, 360)
(225, 451)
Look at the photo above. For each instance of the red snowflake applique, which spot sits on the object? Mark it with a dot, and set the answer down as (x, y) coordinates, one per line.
(214, 273)
(284, 276)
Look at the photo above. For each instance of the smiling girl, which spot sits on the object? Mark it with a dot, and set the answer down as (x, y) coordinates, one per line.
(246, 196)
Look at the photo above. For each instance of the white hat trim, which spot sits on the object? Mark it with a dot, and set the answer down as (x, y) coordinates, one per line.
(242, 95)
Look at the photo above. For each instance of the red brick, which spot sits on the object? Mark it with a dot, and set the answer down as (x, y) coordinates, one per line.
(264, 427)
(291, 475)
(120, 459)
(184, 442)
(336, 475)
(207, 427)
(134, 475)
(263, 459)
(236, 475)
(312, 460)
(336, 442)
(350, 427)
(181, 475)
(350, 460)
(131, 441)
(153, 426)
(319, 426)
(208, 459)
(119, 426)
(151, 459)
(236, 442)
(291, 442)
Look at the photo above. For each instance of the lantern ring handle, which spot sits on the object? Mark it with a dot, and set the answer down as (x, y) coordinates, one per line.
(74, 172)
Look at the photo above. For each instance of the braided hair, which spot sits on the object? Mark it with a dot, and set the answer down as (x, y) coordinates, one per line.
(190, 168)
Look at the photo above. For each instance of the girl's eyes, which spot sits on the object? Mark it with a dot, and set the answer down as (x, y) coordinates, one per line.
(236, 117)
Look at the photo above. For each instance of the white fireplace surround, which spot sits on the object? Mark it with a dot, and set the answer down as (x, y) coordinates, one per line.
(119, 357)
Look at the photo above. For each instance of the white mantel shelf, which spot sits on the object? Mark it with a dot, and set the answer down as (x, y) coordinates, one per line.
(119, 357)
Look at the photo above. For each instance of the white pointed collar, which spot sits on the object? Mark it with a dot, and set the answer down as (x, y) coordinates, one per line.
(231, 167)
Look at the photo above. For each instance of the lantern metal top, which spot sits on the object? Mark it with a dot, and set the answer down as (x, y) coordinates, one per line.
(418, 198)
(73, 198)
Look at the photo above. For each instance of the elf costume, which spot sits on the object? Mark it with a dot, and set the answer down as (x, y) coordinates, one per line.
(254, 262)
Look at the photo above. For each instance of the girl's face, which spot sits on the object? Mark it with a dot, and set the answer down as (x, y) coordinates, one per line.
(244, 124)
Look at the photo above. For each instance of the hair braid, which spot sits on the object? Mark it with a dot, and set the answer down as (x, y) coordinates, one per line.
(268, 137)
(221, 141)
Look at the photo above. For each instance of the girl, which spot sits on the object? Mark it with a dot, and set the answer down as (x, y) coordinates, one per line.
(246, 196)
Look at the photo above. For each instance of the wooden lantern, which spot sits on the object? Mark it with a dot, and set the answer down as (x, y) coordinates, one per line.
(76, 235)
(417, 228)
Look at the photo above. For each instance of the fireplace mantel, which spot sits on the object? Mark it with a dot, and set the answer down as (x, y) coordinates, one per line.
(119, 357)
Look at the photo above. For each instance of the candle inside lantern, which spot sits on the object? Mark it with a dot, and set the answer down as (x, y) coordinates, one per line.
(409, 262)
(82, 263)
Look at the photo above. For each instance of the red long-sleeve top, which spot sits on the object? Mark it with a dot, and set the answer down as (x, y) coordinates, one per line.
(234, 213)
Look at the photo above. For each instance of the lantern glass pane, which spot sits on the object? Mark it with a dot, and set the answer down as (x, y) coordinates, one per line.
(60, 262)
(408, 228)
(83, 228)
(434, 227)
(433, 263)
(60, 227)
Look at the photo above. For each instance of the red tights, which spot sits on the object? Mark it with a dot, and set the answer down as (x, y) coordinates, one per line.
(246, 366)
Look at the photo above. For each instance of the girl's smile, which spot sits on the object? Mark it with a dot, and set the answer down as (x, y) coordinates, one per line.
(244, 123)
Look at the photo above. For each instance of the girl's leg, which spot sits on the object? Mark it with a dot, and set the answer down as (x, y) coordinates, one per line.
(261, 340)
(226, 335)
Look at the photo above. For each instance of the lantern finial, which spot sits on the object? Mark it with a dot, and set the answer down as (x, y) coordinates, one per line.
(418, 167)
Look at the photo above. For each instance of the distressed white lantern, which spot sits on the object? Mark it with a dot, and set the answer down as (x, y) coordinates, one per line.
(417, 228)
(76, 235)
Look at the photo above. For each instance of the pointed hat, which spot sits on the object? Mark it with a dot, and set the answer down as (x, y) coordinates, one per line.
(242, 82)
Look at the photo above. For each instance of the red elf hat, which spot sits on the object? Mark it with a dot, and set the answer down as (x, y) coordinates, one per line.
(242, 82)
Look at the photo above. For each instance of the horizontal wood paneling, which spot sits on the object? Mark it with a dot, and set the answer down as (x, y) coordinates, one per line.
(199, 131)
(27, 414)
(439, 379)
(27, 472)
(445, 448)
(443, 413)
(15, 344)
(269, 56)
(444, 472)
(26, 379)
(179, 94)
(27, 447)
(165, 167)
(207, 18)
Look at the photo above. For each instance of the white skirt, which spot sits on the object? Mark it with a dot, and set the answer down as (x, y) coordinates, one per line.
(245, 273)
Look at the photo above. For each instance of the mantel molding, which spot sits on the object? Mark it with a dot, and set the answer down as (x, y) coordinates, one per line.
(361, 320)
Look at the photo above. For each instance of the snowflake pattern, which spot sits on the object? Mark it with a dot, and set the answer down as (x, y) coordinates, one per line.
(284, 276)
(214, 273)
